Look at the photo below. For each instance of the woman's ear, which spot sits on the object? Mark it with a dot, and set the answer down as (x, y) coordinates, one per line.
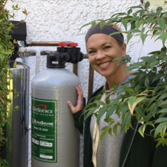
(123, 49)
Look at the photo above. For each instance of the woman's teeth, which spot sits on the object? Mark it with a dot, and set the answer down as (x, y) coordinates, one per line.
(104, 65)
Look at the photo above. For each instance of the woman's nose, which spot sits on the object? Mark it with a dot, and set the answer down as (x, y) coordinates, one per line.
(100, 55)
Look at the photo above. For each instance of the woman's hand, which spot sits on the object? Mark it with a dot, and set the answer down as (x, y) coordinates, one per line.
(79, 106)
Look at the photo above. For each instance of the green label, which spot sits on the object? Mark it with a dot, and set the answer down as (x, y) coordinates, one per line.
(44, 130)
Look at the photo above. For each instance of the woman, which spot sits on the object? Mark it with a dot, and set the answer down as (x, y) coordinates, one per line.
(123, 150)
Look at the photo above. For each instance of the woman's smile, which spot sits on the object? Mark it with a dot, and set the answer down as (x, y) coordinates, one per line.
(104, 65)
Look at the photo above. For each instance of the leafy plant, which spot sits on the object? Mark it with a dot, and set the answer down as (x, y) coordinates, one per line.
(146, 98)
(6, 50)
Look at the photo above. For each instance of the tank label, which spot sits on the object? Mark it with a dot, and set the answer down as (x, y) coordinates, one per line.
(44, 130)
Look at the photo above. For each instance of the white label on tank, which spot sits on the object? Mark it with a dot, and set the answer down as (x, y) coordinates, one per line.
(44, 130)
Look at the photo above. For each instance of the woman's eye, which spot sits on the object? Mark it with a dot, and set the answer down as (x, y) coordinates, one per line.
(107, 47)
(91, 52)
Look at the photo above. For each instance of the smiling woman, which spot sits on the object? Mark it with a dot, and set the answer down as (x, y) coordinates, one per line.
(103, 49)
(104, 45)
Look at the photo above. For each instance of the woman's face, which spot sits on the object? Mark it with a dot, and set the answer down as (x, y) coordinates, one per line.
(102, 49)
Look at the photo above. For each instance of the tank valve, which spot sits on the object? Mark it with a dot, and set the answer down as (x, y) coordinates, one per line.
(64, 53)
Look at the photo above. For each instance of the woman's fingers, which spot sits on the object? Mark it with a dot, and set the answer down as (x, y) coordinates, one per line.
(79, 105)
(72, 108)
(80, 97)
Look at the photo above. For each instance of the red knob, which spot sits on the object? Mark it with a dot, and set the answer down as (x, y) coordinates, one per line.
(73, 44)
(63, 44)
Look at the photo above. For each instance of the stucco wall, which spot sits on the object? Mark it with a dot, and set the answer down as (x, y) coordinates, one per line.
(55, 20)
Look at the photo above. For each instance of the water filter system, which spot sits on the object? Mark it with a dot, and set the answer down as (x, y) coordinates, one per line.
(55, 140)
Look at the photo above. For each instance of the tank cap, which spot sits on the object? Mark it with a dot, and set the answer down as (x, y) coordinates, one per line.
(63, 44)
(73, 44)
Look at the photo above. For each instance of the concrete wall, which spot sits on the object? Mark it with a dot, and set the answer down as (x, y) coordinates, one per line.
(55, 20)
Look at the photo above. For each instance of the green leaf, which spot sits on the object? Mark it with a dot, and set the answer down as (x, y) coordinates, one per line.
(153, 65)
(104, 131)
(161, 141)
(162, 37)
(138, 23)
(99, 103)
(115, 128)
(157, 77)
(142, 129)
(110, 121)
(126, 121)
(121, 14)
(140, 112)
(136, 7)
(114, 33)
(147, 4)
(133, 66)
(163, 132)
(129, 11)
(123, 109)
(162, 103)
(16, 7)
(130, 90)
(162, 23)
(142, 12)
(164, 110)
(159, 129)
(135, 31)
(117, 59)
(133, 26)
(129, 36)
(110, 131)
(90, 112)
(25, 12)
(133, 102)
(110, 110)
(163, 96)
(125, 23)
(101, 112)
(155, 52)
(159, 9)
(147, 82)
(143, 37)
(160, 120)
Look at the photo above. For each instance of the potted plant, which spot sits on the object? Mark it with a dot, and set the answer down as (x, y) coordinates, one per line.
(146, 98)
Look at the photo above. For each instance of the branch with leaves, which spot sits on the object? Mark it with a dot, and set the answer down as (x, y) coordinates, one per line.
(146, 98)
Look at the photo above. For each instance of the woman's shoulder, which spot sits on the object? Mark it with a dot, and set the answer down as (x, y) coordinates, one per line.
(96, 93)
